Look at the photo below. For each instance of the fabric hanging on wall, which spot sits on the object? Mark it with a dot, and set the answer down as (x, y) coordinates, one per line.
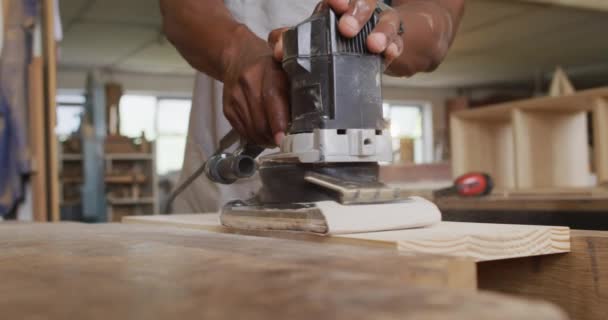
(14, 147)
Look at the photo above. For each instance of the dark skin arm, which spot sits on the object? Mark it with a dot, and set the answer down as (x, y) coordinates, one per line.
(255, 87)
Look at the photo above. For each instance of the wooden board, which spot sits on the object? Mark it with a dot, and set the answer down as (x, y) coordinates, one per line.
(485, 146)
(127, 271)
(37, 139)
(50, 64)
(578, 281)
(551, 149)
(600, 138)
(481, 242)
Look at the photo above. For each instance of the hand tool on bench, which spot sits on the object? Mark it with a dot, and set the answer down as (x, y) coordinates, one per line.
(473, 184)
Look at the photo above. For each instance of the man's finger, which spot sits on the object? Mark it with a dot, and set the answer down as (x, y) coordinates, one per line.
(276, 101)
(234, 119)
(384, 33)
(275, 39)
(355, 17)
(339, 6)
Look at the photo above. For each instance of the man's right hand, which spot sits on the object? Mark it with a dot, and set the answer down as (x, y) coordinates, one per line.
(255, 91)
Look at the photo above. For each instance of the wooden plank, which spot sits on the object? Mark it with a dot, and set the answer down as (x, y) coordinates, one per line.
(599, 5)
(481, 242)
(600, 138)
(580, 101)
(551, 149)
(37, 140)
(578, 281)
(545, 203)
(50, 64)
(121, 271)
(560, 85)
(484, 146)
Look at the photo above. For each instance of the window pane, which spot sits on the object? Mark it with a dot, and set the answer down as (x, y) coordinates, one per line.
(406, 121)
(136, 115)
(68, 120)
(173, 116)
(170, 153)
(71, 98)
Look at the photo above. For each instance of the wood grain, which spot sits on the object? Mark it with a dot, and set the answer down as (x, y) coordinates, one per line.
(481, 242)
(126, 271)
(578, 281)
(600, 138)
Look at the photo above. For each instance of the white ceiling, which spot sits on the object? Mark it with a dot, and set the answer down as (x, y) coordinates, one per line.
(499, 40)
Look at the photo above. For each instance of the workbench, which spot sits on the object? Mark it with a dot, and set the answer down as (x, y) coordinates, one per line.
(586, 213)
(113, 271)
(576, 281)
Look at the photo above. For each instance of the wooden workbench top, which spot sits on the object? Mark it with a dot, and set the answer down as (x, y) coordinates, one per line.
(78, 271)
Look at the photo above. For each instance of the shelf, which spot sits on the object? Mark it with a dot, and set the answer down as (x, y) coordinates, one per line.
(539, 143)
(125, 179)
(129, 156)
(129, 201)
(71, 157)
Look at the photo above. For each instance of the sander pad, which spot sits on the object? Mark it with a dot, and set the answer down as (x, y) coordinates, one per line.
(332, 218)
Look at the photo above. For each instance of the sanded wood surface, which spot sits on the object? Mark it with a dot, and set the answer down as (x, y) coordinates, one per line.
(116, 271)
(578, 281)
(481, 242)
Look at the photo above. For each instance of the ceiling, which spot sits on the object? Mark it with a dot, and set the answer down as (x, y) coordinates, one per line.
(499, 41)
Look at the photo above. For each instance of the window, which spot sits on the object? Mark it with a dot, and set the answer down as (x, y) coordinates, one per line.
(137, 115)
(70, 108)
(161, 119)
(410, 129)
(172, 130)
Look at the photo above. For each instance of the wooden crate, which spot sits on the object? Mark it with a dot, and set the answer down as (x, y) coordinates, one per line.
(535, 143)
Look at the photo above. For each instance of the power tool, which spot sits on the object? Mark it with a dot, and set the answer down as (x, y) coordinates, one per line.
(336, 138)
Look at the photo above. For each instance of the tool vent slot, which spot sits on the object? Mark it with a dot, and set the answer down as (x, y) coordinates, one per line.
(357, 44)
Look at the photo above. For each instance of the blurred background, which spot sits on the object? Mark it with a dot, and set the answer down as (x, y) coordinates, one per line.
(103, 131)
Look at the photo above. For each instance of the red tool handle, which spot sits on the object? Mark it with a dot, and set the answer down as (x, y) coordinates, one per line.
(474, 184)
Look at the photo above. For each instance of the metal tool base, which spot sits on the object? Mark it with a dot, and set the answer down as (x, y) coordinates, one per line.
(248, 215)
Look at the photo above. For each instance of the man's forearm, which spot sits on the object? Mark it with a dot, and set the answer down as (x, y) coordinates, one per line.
(430, 28)
(205, 33)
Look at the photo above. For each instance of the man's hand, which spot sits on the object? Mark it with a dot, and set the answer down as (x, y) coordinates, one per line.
(255, 92)
(413, 36)
(385, 39)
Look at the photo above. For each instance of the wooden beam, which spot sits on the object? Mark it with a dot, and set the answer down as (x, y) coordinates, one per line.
(600, 138)
(50, 68)
(597, 5)
(37, 140)
(477, 241)
(124, 271)
(577, 282)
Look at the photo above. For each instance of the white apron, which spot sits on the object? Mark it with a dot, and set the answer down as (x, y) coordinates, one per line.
(207, 122)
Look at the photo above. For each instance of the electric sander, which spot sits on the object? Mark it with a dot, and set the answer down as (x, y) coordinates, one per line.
(325, 179)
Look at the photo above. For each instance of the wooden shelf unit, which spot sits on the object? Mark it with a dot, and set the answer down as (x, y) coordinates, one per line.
(535, 143)
(130, 181)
